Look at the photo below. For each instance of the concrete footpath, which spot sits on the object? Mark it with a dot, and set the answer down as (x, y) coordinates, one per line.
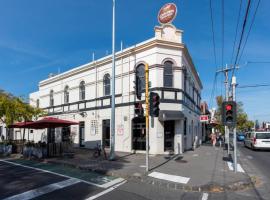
(205, 169)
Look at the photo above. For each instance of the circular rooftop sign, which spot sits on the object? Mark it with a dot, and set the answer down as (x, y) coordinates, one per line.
(167, 13)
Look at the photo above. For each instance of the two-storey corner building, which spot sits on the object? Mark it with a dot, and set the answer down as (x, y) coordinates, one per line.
(83, 94)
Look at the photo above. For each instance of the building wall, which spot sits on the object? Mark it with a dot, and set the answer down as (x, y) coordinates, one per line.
(183, 96)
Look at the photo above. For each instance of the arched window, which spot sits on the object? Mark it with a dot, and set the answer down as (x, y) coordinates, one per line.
(82, 91)
(37, 103)
(66, 95)
(51, 98)
(168, 74)
(140, 80)
(107, 84)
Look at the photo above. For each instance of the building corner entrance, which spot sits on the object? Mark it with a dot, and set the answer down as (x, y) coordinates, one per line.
(169, 132)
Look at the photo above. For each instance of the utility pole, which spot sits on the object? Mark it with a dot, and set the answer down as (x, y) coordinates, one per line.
(112, 153)
(234, 130)
(147, 116)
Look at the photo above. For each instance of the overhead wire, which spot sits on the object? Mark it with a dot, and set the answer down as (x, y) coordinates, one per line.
(236, 30)
(241, 37)
(250, 27)
(214, 51)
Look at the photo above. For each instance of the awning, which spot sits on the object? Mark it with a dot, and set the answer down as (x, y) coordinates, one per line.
(165, 115)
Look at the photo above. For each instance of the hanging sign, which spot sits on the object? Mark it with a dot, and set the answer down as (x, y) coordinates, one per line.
(167, 13)
(204, 118)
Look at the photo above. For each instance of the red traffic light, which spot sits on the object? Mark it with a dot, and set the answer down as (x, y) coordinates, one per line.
(228, 107)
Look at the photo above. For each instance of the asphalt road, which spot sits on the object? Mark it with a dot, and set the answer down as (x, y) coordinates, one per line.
(20, 183)
(259, 158)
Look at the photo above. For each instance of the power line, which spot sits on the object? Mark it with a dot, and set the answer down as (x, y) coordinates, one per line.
(252, 22)
(213, 32)
(236, 31)
(253, 86)
(222, 31)
(242, 34)
(214, 51)
(258, 62)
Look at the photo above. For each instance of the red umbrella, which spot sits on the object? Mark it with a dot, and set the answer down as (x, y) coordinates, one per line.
(20, 124)
(49, 122)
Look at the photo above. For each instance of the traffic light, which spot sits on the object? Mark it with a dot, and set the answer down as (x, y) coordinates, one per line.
(229, 113)
(138, 109)
(154, 104)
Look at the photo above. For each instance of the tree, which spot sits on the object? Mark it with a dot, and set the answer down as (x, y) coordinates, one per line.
(243, 123)
(14, 109)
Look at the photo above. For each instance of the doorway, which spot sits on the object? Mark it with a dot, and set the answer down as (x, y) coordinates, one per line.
(138, 133)
(169, 135)
(106, 133)
(81, 134)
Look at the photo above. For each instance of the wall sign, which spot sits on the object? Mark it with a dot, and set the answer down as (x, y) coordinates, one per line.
(167, 13)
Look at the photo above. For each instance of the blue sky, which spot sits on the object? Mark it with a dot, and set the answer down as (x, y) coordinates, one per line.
(39, 37)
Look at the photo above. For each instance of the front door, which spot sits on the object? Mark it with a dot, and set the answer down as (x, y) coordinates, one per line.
(81, 134)
(168, 135)
(138, 133)
(106, 135)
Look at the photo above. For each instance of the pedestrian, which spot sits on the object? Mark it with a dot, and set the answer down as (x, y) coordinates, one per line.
(214, 139)
(220, 139)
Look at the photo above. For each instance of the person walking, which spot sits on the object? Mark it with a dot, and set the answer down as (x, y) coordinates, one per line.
(214, 139)
(220, 139)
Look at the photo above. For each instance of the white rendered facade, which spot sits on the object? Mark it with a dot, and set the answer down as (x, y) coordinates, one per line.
(93, 108)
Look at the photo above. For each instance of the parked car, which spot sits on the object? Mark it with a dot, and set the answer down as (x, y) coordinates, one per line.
(257, 140)
(240, 136)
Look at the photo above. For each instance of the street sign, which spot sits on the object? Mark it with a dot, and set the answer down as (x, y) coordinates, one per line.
(167, 13)
(204, 118)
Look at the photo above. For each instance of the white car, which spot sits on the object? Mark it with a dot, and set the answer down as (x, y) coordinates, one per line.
(257, 140)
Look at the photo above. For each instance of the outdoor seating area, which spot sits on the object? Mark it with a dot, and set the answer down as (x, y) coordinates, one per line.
(39, 150)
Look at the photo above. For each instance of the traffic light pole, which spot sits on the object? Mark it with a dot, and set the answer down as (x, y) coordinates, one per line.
(234, 130)
(147, 116)
(226, 82)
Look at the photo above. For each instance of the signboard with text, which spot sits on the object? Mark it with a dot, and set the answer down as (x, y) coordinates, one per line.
(204, 118)
(167, 13)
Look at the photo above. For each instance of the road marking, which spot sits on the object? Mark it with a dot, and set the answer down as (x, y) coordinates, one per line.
(43, 190)
(143, 166)
(66, 176)
(169, 177)
(239, 168)
(205, 196)
(105, 191)
(113, 182)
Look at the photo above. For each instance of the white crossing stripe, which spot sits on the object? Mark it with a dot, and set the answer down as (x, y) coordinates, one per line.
(106, 191)
(43, 190)
(113, 182)
(169, 177)
(239, 168)
(205, 196)
(105, 185)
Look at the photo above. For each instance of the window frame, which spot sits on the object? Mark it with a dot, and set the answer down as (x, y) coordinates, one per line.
(66, 95)
(51, 101)
(82, 91)
(107, 84)
(166, 75)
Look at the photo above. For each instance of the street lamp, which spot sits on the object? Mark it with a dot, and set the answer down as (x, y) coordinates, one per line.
(112, 149)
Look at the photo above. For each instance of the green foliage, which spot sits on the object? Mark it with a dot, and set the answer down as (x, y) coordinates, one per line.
(13, 109)
(243, 124)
